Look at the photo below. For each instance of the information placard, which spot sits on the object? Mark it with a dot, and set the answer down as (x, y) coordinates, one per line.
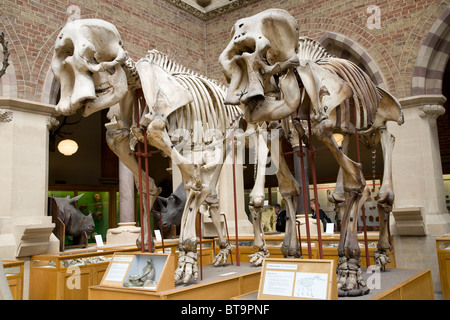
(298, 279)
(117, 270)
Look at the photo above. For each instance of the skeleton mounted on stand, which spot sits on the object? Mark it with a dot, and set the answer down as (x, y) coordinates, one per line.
(183, 116)
(275, 75)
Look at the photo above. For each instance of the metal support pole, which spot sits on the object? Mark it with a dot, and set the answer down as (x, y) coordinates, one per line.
(228, 235)
(141, 201)
(199, 214)
(299, 237)
(238, 263)
(363, 209)
(150, 237)
(312, 156)
(305, 199)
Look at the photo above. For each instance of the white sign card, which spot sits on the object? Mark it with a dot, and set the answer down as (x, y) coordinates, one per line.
(330, 228)
(158, 235)
(99, 240)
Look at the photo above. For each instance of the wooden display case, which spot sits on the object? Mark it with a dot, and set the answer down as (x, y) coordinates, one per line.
(443, 253)
(68, 275)
(125, 265)
(52, 277)
(330, 244)
(298, 279)
(14, 275)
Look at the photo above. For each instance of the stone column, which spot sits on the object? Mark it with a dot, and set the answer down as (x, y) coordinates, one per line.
(226, 199)
(127, 232)
(420, 214)
(24, 179)
(126, 195)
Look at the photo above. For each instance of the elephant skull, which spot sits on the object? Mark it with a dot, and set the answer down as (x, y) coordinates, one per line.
(87, 62)
(259, 60)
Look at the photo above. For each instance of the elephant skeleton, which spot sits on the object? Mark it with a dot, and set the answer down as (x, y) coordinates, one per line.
(275, 75)
(185, 117)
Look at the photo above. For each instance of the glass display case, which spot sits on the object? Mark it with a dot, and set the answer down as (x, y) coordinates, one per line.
(443, 253)
(68, 275)
(100, 201)
(14, 274)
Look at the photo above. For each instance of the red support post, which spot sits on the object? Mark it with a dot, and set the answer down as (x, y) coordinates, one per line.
(313, 170)
(141, 209)
(305, 198)
(228, 235)
(363, 209)
(199, 214)
(234, 196)
(299, 237)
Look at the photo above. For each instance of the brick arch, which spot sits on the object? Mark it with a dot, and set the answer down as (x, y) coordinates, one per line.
(12, 82)
(360, 56)
(376, 52)
(432, 57)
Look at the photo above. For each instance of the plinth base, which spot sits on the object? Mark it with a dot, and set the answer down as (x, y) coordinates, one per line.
(393, 284)
(218, 283)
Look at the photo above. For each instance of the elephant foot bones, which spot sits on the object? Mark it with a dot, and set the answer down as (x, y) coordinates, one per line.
(349, 278)
(224, 253)
(187, 262)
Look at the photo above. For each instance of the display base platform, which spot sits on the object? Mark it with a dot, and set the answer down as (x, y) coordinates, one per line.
(218, 283)
(394, 284)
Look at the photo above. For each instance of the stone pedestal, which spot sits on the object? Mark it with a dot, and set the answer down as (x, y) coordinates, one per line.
(418, 185)
(24, 224)
(127, 232)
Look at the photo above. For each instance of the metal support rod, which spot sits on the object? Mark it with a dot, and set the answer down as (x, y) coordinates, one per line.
(141, 201)
(305, 198)
(299, 237)
(228, 235)
(363, 209)
(238, 263)
(200, 240)
(313, 170)
(150, 237)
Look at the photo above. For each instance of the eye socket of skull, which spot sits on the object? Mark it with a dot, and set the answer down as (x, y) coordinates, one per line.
(248, 45)
(65, 49)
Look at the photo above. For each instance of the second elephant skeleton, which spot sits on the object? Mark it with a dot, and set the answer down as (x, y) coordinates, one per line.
(276, 75)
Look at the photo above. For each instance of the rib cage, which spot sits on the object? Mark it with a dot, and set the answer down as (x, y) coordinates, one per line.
(362, 107)
(207, 108)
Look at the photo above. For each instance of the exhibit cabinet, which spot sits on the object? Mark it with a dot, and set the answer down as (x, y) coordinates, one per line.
(330, 244)
(14, 275)
(443, 252)
(68, 275)
(101, 201)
